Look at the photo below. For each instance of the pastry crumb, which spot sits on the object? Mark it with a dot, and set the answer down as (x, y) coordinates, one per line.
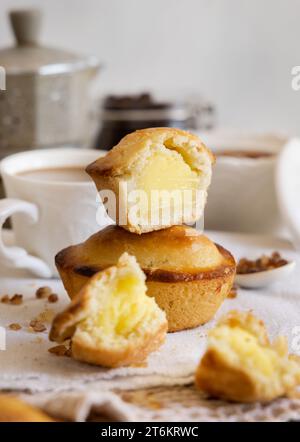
(60, 350)
(43, 292)
(37, 325)
(53, 298)
(14, 326)
(16, 299)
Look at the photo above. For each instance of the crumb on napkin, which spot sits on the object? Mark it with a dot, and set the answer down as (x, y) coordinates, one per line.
(60, 350)
(43, 292)
(53, 298)
(14, 326)
(16, 299)
(37, 326)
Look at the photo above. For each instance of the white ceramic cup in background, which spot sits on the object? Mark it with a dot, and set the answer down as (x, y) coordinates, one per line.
(242, 196)
(46, 215)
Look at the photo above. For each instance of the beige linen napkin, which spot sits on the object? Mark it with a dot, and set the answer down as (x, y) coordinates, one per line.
(27, 365)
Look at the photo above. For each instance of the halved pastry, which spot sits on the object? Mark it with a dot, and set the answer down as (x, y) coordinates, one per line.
(111, 322)
(240, 364)
(159, 177)
(188, 275)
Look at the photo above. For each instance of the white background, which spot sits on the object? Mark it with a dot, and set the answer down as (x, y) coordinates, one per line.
(237, 53)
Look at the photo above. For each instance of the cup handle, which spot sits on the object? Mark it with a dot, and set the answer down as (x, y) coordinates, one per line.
(17, 257)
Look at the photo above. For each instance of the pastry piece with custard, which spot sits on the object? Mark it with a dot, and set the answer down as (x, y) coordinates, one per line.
(171, 168)
(188, 275)
(111, 321)
(242, 365)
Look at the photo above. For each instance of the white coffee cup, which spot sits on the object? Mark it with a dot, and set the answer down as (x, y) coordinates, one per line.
(242, 196)
(46, 215)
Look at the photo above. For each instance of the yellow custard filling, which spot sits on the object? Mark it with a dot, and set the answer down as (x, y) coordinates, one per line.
(169, 187)
(241, 347)
(166, 170)
(119, 306)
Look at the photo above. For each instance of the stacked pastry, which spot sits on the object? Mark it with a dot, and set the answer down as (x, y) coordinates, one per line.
(187, 275)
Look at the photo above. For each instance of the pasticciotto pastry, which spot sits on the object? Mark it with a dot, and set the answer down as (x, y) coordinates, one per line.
(13, 409)
(111, 321)
(242, 365)
(188, 275)
(159, 177)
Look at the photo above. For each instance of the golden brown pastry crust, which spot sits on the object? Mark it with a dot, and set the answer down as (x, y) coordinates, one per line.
(218, 379)
(13, 409)
(187, 274)
(129, 355)
(193, 303)
(122, 163)
(127, 151)
(179, 253)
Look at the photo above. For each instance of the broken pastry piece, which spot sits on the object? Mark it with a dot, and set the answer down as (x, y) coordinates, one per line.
(159, 176)
(240, 364)
(111, 321)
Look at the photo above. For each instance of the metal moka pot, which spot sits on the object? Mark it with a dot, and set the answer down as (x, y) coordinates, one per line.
(46, 101)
